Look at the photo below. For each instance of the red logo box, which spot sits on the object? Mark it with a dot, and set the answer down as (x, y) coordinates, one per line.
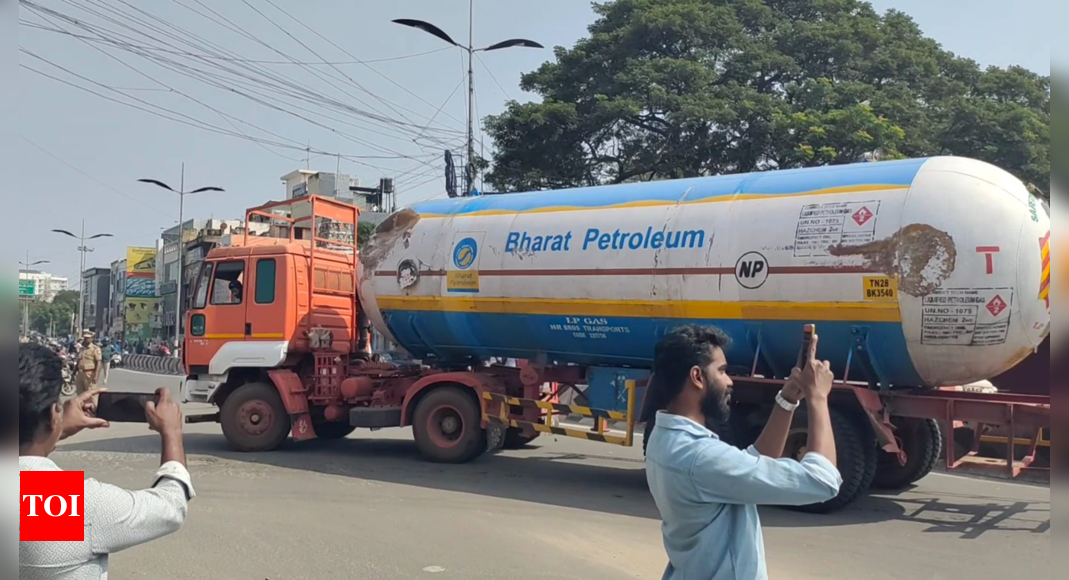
(52, 506)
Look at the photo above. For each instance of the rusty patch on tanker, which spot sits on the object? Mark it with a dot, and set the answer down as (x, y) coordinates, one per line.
(922, 257)
(396, 228)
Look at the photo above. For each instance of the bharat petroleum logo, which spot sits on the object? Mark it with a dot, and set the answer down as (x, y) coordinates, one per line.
(465, 253)
(1044, 286)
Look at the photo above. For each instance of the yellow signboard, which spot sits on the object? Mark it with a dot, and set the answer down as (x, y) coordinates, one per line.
(141, 310)
(141, 261)
(465, 281)
(881, 289)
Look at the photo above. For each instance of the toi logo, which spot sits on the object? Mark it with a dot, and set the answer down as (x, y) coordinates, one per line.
(52, 506)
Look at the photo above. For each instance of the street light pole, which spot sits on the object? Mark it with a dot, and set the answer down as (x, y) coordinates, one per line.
(83, 249)
(469, 174)
(26, 311)
(469, 177)
(182, 193)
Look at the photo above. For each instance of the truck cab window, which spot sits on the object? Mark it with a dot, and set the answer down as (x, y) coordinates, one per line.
(200, 299)
(229, 287)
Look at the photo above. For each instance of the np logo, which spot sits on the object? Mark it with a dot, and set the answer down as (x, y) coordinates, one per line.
(752, 271)
(465, 253)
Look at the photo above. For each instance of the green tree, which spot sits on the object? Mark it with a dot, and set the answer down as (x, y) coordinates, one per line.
(364, 232)
(681, 88)
(56, 315)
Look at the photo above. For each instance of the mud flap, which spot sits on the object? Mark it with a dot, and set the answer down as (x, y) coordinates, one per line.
(302, 427)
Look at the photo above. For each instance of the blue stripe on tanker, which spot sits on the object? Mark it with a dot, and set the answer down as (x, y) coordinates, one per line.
(464, 334)
(772, 183)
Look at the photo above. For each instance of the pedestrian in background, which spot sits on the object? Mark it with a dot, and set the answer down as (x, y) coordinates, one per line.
(109, 353)
(708, 491)
(115, 519)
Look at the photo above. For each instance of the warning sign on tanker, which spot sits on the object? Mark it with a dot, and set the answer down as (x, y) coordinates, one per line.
(967, 317)
(821, 226)
(881, 289)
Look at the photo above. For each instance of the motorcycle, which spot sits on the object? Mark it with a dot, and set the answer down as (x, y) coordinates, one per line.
(116, 361)
(69, 388)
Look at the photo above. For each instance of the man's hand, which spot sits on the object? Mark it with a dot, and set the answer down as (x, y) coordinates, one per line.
(793, 391)
(163, 415)
(78, 414)
(816, 379)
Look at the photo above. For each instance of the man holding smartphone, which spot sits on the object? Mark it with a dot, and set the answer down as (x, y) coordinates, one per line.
(708, 491)
(115, 519)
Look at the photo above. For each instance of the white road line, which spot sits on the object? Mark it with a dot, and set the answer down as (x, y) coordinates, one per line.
(121, 370)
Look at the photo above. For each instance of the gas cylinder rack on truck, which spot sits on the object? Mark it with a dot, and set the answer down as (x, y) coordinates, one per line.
(287, 357)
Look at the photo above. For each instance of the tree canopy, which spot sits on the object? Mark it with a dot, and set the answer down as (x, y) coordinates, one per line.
(665, 89)
(56, 315)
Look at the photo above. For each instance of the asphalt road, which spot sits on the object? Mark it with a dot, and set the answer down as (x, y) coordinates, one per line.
(369, 508)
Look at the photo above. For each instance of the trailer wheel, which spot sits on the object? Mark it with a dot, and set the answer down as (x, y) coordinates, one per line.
(254, 418)
(857, 457)
(447, 426)
(333, 431)
(923, 443)
(515, 439)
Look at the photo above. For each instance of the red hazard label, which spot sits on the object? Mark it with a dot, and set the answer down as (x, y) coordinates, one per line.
(863, 216)
(996, 306)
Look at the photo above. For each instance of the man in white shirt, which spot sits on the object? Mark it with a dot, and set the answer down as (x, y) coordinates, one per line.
(115, 519)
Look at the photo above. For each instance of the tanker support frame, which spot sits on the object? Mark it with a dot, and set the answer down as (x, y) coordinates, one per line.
(886, 438)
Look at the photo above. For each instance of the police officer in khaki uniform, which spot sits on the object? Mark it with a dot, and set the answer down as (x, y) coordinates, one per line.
(90, 363)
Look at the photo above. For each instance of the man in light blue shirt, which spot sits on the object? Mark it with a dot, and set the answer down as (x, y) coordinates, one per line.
(708, 491)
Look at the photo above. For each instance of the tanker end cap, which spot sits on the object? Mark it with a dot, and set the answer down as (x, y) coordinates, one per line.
(397, 228)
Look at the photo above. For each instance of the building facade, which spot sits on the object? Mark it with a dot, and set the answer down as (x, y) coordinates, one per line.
(116, 320)
(96, 299)
(46, 285)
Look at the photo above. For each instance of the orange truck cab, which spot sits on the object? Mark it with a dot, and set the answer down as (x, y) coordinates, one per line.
(258, 306)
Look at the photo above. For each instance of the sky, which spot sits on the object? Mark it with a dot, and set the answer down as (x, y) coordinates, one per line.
(391, 114)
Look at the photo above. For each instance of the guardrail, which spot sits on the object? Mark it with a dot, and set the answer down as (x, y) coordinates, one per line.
(153, 364)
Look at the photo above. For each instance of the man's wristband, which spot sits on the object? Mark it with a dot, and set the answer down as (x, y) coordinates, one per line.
(785, 404)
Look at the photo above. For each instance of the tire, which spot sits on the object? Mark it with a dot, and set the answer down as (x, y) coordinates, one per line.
(69, 389)
(447, 426)
(254, 419)
(854, 444)
(922, 441)
(515, 439)
(333, 431)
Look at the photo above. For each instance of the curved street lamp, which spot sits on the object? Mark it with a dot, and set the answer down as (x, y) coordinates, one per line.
(469, 177)
(83, 249)
(182, 193)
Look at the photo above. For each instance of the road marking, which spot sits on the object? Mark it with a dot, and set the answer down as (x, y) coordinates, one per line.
(434, 569)
(146, 374)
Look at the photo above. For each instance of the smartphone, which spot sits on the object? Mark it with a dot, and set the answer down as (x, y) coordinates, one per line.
(123, 407)
(809, 332)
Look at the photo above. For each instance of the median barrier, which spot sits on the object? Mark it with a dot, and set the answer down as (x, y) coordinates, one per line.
(153, 364)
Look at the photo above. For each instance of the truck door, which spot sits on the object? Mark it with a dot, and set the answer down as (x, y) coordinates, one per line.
(217, 315)
(265, 317)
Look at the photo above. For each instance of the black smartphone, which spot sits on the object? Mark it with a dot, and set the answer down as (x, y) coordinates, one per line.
(809, 331)
(123, 407)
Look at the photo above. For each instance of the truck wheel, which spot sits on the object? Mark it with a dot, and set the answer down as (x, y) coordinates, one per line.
(515, 439)
(333, 431)
(254, 418)
(857, 457)
(922, 440)
(447, 426)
